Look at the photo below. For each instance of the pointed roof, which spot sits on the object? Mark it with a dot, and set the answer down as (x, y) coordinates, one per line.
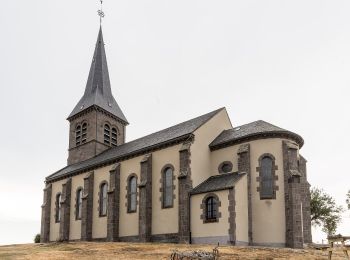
(98, 88)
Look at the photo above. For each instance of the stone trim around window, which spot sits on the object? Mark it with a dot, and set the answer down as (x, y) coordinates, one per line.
(128, 193)
(221, 166)
(76, 205)
(275, 177)
(99, 199)
(58, 207)
(162, 184)
(204, 209)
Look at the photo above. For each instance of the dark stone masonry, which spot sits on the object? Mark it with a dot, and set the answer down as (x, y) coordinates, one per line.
(113, 204)
(145, 190)
(232, 216)
(185, 186)
(292, 193)
(65, 210)
(46, 215)
(86, 216)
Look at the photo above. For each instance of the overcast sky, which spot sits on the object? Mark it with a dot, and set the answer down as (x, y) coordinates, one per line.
(286, 62)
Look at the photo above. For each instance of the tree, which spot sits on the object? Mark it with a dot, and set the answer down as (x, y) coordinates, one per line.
(37, 238)
(324, 211)
(348, 199)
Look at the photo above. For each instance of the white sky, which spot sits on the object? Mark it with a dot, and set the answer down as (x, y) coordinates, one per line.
(286, 62)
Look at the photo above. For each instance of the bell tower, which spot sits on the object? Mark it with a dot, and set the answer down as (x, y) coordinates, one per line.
(96, 123)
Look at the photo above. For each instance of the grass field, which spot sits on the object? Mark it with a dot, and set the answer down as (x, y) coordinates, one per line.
(136, 251)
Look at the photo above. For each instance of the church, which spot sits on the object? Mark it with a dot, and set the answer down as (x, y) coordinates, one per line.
(202, 181)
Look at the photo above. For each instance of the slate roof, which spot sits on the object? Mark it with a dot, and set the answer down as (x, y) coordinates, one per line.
(218, 182)
(98, 87)
(139, 146)
(257, 129)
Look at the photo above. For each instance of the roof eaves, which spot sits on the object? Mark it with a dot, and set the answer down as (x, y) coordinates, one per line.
(211, 190)
(261, 135)
(76, 115)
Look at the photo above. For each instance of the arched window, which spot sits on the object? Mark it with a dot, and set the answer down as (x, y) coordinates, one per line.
(211, 209)
(132, 194)
(107, 134)
(267, 178)
(58, 207)
(83, 133)
(167, 187)
(103, 199)
(79, 203)
(114, 137)
(78, 135)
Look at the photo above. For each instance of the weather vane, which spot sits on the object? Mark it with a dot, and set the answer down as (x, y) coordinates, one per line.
(100, 12)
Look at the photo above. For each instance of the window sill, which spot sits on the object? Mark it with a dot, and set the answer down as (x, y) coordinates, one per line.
(168, 207)
(214, 220)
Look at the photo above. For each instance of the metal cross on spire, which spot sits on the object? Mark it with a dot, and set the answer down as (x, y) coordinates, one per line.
(100, 12)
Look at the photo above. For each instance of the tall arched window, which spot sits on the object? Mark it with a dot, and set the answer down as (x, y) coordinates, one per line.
(211, 209)
(114, 136)
(267, 178)
(83, 133)
(107, 134)
(58, 207)
(79, 203)
(78, 135)
(132, 194)
(167, 187)
(103, 199)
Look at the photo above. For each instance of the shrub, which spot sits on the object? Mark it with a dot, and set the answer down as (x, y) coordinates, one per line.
(37, 238)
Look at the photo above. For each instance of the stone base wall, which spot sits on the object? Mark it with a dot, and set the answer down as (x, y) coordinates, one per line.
(222, 240)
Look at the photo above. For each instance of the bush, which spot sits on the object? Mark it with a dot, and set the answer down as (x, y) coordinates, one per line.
(37, 238)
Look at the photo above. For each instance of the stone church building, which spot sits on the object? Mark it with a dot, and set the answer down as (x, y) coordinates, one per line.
(200, 181)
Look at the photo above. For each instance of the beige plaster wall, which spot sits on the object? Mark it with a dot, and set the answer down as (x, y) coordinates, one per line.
(216, 229)
(128, 222)
(75, 225)
(222, 155)
(268, 216)
(200, 153)
(55, 227)
(241, 198)
(99, 224)
(164, 221)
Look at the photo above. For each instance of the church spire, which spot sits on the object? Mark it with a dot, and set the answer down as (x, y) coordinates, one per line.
(98, 88)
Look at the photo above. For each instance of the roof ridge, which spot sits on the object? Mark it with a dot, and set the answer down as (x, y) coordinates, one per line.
(256, 121)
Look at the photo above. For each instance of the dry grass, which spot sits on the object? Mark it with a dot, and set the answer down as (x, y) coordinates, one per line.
(136, 251)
